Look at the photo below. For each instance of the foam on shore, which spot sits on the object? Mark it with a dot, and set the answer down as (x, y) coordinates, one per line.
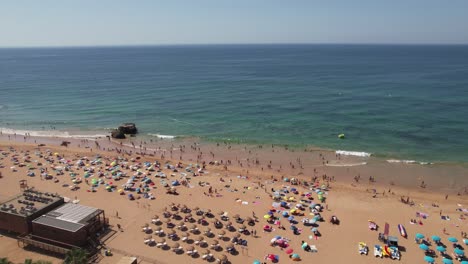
(353, 153)
(346, 164)
(49, 133)
(408, 162)
(162, 136)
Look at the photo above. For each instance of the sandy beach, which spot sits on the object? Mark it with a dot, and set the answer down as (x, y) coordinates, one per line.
(239, 180)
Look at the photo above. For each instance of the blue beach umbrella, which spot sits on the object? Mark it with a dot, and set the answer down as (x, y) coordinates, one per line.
(459, 251)
(429, 259)
(464, 262)
(423, 247)
(314, 229)
(441, 249)
(419, 236)
(435, 238)
(256, 262)
(447, 261)
(452, 239)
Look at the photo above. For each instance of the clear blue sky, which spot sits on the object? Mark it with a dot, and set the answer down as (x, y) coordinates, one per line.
(147, 22)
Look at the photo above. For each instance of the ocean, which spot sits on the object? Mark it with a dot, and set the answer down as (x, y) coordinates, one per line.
(402, 102)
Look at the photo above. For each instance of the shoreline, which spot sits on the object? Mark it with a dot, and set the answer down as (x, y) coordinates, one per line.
(254, 159)
(104, 133)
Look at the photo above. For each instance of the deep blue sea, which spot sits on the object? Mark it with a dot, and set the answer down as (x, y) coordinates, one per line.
(403, 102)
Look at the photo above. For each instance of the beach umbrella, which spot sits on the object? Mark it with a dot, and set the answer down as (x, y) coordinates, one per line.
(419, 236)
(215, 242)
(267, 216)
(236, 216)
(441, 249)
(289, 251)
(206, 252)
(465, 241)
(256, 262)
(429, 259)
(171, 232)
(314, 229)
(435, 238)
(459, 251)
(424, 247)
(223, 257)
(295, 256)
(222, 233)
(447, 261)
(464, 262)
(452, 239)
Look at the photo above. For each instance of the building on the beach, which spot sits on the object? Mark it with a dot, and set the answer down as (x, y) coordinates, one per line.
(70, 224)
(44, 220)
(17, 213)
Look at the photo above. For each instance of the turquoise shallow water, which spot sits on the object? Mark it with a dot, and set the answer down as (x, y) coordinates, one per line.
(402, 102)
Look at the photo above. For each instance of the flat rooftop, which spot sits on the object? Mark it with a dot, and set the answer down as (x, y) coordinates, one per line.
(70, 217)
(29, 202)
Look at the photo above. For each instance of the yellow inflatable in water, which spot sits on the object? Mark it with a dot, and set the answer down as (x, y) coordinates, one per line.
(341, 136)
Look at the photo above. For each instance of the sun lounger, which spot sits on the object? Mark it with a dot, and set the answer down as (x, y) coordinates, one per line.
(159, 245)
(155, 221)
(184, 239)
(177, 249)
(313, 248)
(191, 253)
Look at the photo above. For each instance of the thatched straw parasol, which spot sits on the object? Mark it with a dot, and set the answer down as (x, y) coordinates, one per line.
(190, 248)
(215, 242)
(220, 212)
(175, 245)
(171, 232)
(206, 252)
(222, 233)
(236, 216)
(223, 257)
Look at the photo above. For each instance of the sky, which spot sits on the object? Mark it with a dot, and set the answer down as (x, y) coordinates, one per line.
(30, 23)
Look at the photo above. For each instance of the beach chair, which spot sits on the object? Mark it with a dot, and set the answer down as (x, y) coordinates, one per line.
(378, 251)
(363, 249)
(177, 249)
(313, 248)
(191, 252)
(184, 239)
(160, 245)
(155, 220)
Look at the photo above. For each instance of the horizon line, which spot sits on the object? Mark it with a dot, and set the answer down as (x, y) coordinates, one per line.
(234, 44)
